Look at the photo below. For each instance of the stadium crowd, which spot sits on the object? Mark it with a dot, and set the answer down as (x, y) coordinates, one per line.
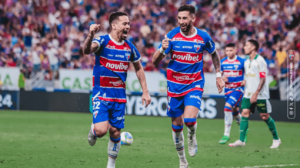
(48, 34)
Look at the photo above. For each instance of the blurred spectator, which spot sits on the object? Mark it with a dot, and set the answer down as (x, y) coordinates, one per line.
(21, 82)
(48, 34)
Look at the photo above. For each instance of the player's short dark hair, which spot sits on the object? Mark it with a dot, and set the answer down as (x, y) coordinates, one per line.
(188, 8)
(230, 45)
(114, 16)
(255, 43)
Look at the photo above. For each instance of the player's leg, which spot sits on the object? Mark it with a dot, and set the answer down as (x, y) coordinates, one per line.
(113, 146)
(175, 111)
(247, 107)
(237, 115)
(116, 121)
(192, 103)
(264, 108)
(190, 120)
(100, 123)
(238, 95)
(228, 121)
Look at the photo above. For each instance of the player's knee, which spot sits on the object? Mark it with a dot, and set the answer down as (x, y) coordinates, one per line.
(190, 122)
(114, 132)
(99, 132)
(264, 116)
(245, 113)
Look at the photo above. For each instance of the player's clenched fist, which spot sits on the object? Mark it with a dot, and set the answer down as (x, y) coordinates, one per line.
(94, 28)
(165, 43)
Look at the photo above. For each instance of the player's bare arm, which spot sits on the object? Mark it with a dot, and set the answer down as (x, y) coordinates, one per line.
(88, 46)
(260, 86)
(142, 78)
(159, 54)
(216, 61)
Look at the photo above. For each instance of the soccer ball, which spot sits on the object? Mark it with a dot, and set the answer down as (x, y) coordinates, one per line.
(126, 138)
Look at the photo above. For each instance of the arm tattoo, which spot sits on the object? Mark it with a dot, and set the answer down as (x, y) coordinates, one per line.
(88, 43)
(216, 61)
(261, 84)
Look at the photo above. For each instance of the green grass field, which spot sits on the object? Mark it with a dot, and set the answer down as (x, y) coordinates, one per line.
(59, 140)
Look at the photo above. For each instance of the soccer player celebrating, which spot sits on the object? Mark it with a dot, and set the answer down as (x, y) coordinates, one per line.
(113, 54)
(232, 67)
(256, 94)
(185, 77)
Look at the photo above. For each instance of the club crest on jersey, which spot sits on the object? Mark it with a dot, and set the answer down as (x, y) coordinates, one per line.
(197, 47)
(95, 114)
(291, 54)
(127, 56)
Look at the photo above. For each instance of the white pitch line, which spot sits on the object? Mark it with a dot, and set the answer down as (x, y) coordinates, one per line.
(281, 165)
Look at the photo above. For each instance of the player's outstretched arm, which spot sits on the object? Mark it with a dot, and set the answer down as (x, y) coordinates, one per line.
(217, 65)
(88, 46)
(160, 54)
(142, 78)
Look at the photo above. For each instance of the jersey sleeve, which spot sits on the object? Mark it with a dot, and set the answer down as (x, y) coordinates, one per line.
(209, 44)
(135, 55)
(99, 41)
(262, 67)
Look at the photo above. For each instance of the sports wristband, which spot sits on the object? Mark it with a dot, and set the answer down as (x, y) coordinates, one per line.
(162, 51)
(218, 74)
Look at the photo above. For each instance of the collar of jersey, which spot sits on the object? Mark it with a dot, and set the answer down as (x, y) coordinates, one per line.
(232, 59)
(254, 58)
(190, 35)
(116, 41)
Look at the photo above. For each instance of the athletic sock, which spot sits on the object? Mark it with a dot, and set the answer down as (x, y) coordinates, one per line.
(113, 150)
(191, 124)
(92, 128)
(178, 139)
(243, 127)
(227, 120)
(237, 115)
(271, 124)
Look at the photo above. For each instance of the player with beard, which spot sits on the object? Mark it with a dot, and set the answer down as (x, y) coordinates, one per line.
(256, 94)
(185, 77)
(113, 55)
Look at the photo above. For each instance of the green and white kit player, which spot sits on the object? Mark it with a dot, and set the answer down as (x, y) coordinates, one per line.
(256, 94)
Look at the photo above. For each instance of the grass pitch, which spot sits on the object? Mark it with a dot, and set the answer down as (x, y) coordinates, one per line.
(59, 140)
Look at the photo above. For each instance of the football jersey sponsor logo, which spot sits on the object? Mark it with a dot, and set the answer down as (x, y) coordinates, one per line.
(236, 66)
(178, 39)
(101, 41)
(197, 47)
(195, 97)
(117, 83)
(177, 46)
(250, 75)
(231, 73)
(120, 56)
(210, 44)
(186, 57)
(120, 66)
(187, 47)
(183, 78)
(120, 118)
(109, 46)
(233, 98)
(197, 86)
(135, 56)
(110, 55)
(199, 41)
